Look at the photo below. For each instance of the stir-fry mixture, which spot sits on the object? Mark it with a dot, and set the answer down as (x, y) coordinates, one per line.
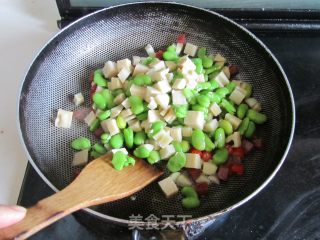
(180, 105)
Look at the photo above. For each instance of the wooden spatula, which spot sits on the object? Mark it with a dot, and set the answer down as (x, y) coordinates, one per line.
(97, 183)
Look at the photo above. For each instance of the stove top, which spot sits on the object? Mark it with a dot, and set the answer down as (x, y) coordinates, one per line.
(288, 208)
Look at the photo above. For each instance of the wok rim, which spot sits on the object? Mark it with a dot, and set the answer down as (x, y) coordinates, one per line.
(180, 223)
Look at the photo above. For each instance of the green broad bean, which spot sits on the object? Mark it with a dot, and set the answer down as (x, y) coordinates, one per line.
(242, 110)
(256, 117)
(105, 136)
(141, 152)
(141, 80)
(181, 110)
(136, 104)
(202, 52)
(155, 128)
(81, 143)
(177, 162)
(226, 125)
(177, 75)
(149, 60)
(94, 125)
(116, 141)
(248, 88)
(189, 192)
(250, 130)
(107, 95)
(207, 62)
(198, 140)
(209, 144)
(104, 115)
(99, 100)
(206, 77)
(177, 146)
(99, 79)
(190, 203)
(198, 63)
(121, 123)
(220, 137)
(228, 106)
(170, 56)
(127, 91)
(214, 69)
(203, 86)
(94, 154)
(198, 107)
(222, 92)
(231, 86)
(243, 126)
(214, 84)
(188, 93)
(154, 157)
(128, 137)
(171, 48)
(99, 148)
(220, 156)
(117, 92)
(214, 98)
(139, 138)
(131, 161)
(142, 116)
(203, 100)
(185, 146)
(118, 160)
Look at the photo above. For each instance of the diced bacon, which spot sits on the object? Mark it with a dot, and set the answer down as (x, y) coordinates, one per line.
(98, 132)
(81, 113)
(223, 173)
(234, 70)
(202, 188)
(194, 173)
(159, 54)
(206, 156)
(239, 151)
(257, 142)
(237, 168)
(247, 146)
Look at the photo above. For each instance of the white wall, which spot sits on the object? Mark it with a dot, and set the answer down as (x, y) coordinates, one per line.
(25, 26)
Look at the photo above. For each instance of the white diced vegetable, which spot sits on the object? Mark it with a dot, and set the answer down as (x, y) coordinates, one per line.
(129, 118)
(124, 74)
(219, 58)
(153, 116)
(215, 109)
(179, 84)
(149, 49)
(209, 168)
(191, 84)
(202, 179)
(176, 133)
(178, 98)
(124, 63)
(186, 63)
(237, 95)
(257, 107)
(193, 161)
(171, 65)
(164, 111)
(164, 140)
(235, 138)
(162, 100)
(149, 147)
(80, 158)
(169, 76)
(110, 125)
(235, 122)
(174, 175)
(126, 113)
(200, 78)
(168, 187)
(124, 150)
(90, 118)
(115, 111)
(78, 99)
(190, 49)
(152, 104)
(222, 79)
(64, 119)
(158, 65)
(135, 125)
(214, 179)
(179, 48)
(160, 75)
(167, 151)
(110, 69)
(211, 125)
(163, 86)
(251, 102)
(186, 131)
(183, 181)
(140, 69)
(138, 91)
(135, 60)
(190, 75)
(170, 116)
(194, 119)
(226, 71)
(114, 84)
(119, 99)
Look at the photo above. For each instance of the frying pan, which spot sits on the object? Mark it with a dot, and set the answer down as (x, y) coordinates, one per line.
(63, 66)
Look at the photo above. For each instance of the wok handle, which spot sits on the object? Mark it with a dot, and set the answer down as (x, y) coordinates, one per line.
(45, 212)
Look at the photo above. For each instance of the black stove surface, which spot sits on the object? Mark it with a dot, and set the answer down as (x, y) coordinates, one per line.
(288, 208)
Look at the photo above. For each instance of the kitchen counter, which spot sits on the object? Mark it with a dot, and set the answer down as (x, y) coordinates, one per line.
(26, 25)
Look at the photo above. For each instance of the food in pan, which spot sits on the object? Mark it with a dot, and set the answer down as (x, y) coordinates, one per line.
(180, 105)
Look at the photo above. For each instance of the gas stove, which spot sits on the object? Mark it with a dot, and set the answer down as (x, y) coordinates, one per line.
(289, 207)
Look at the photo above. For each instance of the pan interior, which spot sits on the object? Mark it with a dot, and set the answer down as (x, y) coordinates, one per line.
(63, 68)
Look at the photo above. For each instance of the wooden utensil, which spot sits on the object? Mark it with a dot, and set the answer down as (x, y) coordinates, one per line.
(97, 183)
